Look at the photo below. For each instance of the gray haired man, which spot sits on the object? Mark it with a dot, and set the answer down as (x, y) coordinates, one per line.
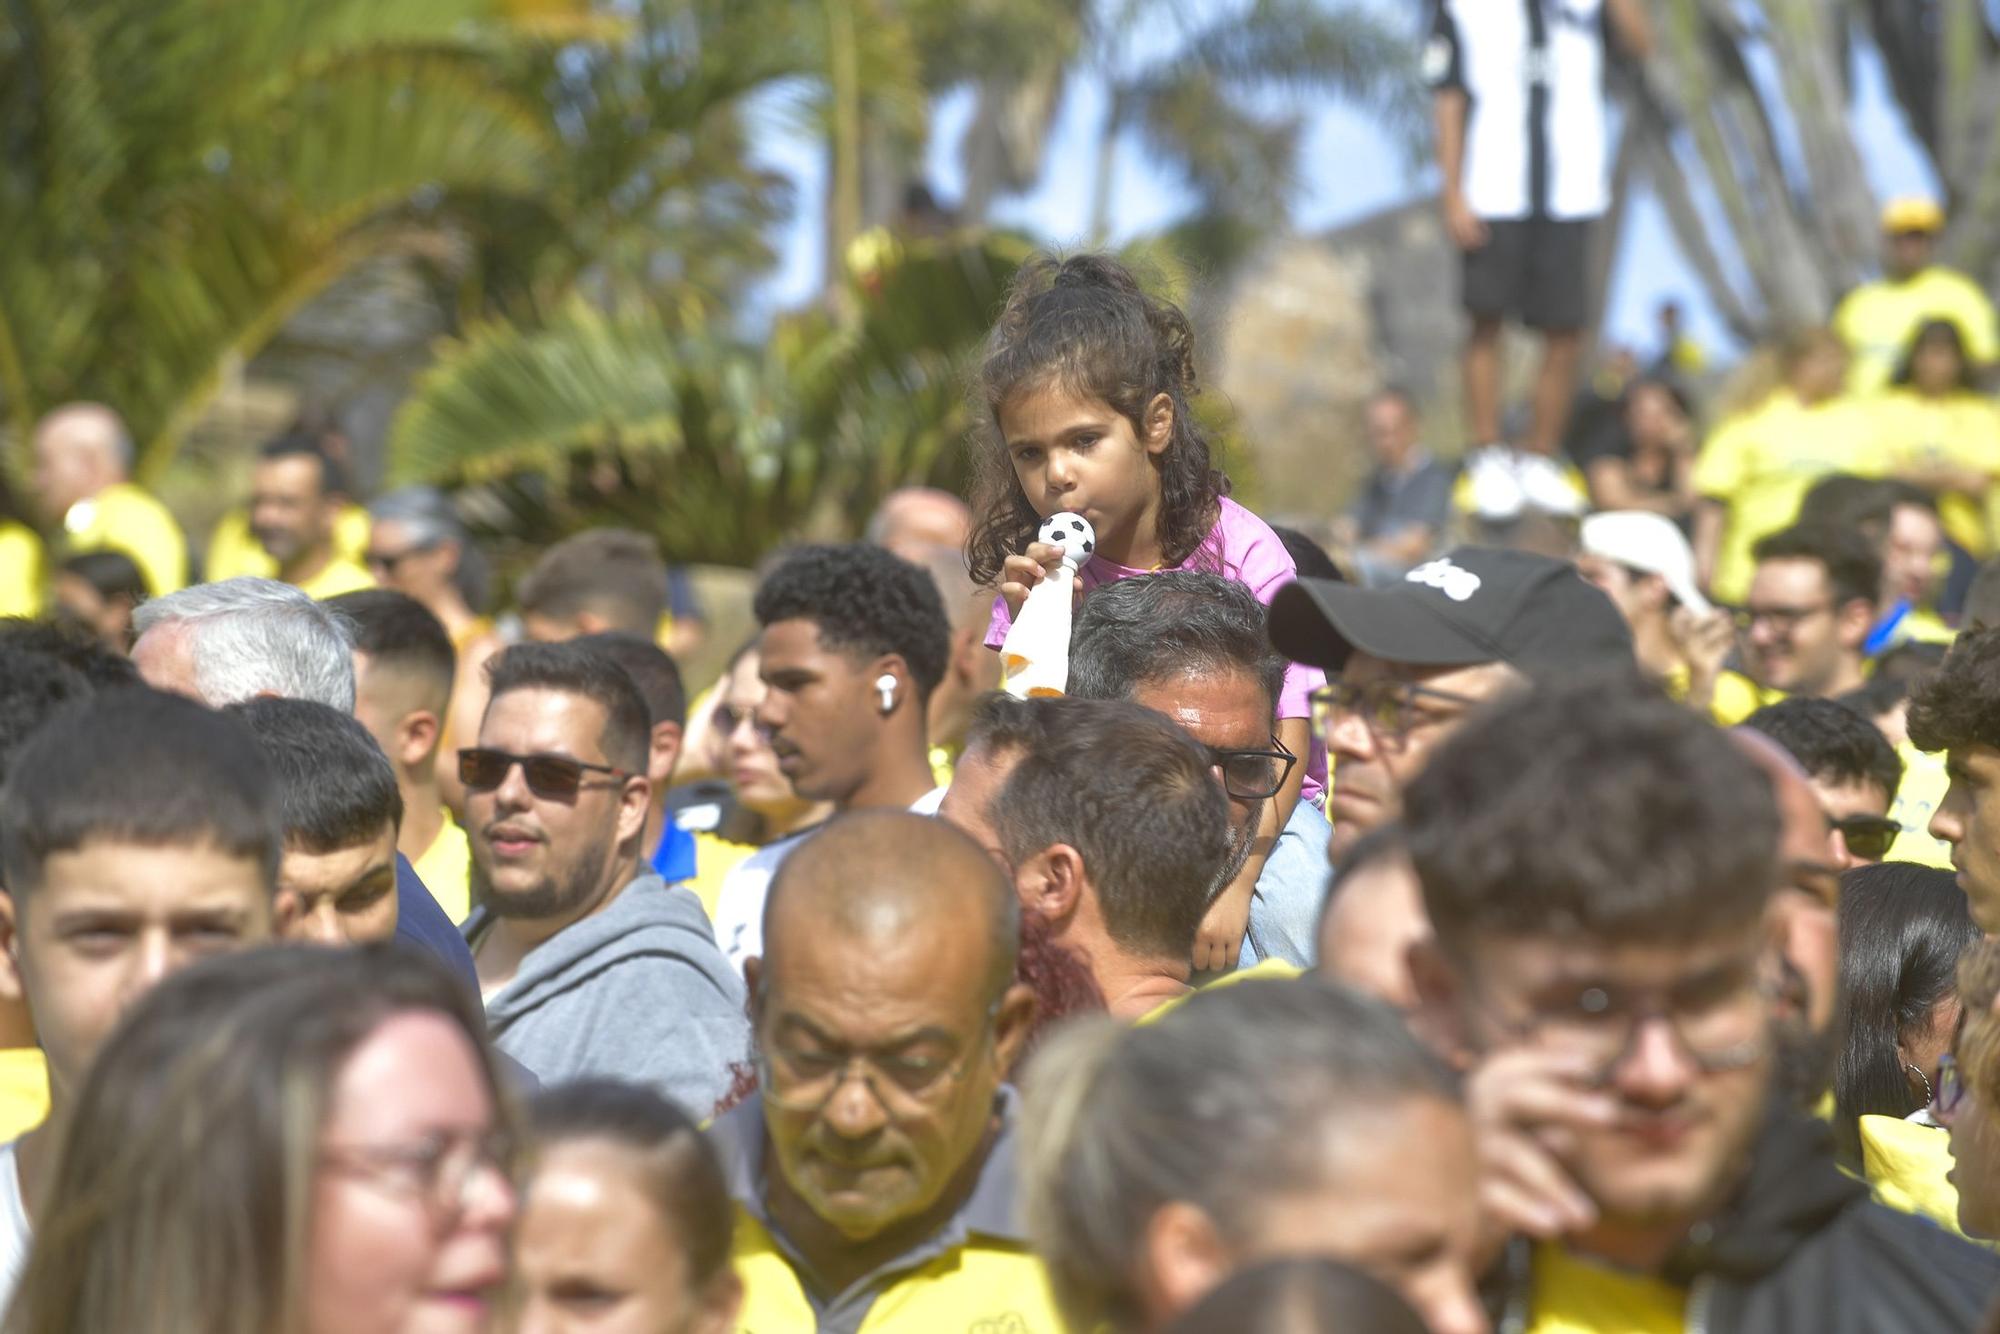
(232, 641)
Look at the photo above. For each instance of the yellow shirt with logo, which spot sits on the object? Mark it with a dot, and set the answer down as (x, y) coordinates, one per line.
(21, 570)
(446, 870)
(982, 1286)
(1916, 434)
(1877, 321)
(1917, 799)
(234, 550)
(1575, 1296)
(24, 1091)
(121, 517)
(1761, 463)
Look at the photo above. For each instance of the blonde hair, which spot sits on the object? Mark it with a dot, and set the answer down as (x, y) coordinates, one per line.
(182, 1191)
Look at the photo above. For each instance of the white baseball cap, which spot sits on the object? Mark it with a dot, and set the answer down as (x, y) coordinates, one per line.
(1650, 544)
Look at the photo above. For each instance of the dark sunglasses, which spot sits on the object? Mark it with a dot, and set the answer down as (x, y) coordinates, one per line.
(1868, 836)
(1253, 775)
(555, 777)
(387, 561)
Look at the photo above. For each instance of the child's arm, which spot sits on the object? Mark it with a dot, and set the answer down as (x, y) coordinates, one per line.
(1220, 940)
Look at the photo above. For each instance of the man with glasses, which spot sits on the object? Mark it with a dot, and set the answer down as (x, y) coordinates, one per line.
(1598, 866)
(591, 965)
(874, 1170)
(1193, 646)
(1812, 601)
(1117, 834)
(1852, 767)
(1406, 663)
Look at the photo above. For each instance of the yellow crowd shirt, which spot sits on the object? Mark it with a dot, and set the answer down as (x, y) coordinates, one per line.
(338, 576)
(234, 550)
(975, 1275)
(21, 571)
(1916, 801)
(1905, 1164)
(1574, 1296)
(1760, 464)
(714, 858)
(1914, 434)
(24, 1091)
(1877, 321)
(446, 870)
(121, 517)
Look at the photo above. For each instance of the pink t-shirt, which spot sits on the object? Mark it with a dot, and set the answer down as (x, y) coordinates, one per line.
(1251, 554)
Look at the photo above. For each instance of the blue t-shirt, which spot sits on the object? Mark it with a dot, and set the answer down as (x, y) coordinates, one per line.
(420, 922)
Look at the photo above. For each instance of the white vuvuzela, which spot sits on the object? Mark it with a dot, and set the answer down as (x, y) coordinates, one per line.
(1035, 654)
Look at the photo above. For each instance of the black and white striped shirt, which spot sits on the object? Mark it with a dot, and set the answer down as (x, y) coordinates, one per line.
(1533, 73)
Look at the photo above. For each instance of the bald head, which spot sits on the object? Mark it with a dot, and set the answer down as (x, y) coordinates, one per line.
(916, 518)
(80, 448)
(878, 882)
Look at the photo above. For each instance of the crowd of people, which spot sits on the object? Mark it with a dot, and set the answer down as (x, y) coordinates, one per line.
(1570, 904)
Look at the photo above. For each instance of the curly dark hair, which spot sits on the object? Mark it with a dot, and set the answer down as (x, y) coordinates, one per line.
(1831, 742)
(863, 599)
(1085, 324)
(1960, 704)
(1853, 567)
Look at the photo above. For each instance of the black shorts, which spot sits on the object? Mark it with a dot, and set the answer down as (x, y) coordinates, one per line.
(1533, 270)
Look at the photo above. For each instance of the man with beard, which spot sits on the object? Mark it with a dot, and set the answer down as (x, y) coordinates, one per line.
(1192, 645)
(1598, 867)
(296, 500)
(590, 964)
(874, 1171)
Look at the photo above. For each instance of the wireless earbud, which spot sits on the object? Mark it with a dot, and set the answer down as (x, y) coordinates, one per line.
(887, 685)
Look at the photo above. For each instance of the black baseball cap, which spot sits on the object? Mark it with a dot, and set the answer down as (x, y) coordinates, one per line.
(1475, 605)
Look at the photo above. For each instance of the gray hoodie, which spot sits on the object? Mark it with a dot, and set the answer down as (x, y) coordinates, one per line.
(637, 992)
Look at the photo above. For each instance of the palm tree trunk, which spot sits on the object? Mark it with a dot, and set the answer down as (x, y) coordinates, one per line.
(844, 182)
(1107, 162)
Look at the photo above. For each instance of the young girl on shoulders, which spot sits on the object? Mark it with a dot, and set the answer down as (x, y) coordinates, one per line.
(1087, 383)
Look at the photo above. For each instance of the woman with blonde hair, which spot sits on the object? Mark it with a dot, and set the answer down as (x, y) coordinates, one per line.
(287, 1141)
(1268, 1119)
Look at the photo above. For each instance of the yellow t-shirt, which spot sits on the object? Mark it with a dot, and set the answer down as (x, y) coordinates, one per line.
(1877, 321)
(340, 576)
(1914, 433)
(1760, 465)
(20, 570)
(1737, 697)
(24, 1091)
(983, 1284)
(446, 870)
(714, 858)
(1906, 1163)
(121, 517)
(232, 550)
(1917, 799)
(1574, 1296)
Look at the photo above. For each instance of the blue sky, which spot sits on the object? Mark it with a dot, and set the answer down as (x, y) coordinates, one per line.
(1349, 170)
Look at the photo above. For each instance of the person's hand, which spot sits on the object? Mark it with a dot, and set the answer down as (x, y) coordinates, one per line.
(1704, 639)
(1021, 573)
(1467, 230)
(1527, 1107)
(1220, 939)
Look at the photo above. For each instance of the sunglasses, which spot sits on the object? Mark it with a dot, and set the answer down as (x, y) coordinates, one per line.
(388, 561)
(1868, 836)
(553, 777)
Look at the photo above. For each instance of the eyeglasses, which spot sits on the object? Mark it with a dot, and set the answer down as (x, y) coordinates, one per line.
(1784, 619)
(805, 1081)
(1867, 836)
(1719, 1020)
(1253, 775)
(1950, 1092)
(437, 1169)
(553, 777)
(1392, 709)
(387, 561)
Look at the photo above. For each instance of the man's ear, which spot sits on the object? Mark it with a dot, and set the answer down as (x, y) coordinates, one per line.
(1159, 424)
(753, 1001)
(1855, 619)
(666, 753)
(417, 738)
(635, 803)
(286, 911)
(1011, 1026)
(590, 623)
(1438, 1019)
(11, 985)
(1184, 1258)
(1050, 882)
